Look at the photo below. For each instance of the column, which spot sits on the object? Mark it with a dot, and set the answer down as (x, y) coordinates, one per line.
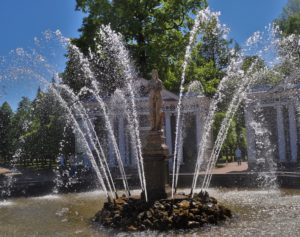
(121, 139)
(293, 133)
(297, 117)
(280, 134)
(251, 150)
(198, 128)
(168, 132)
(79, 141)
(111, 154)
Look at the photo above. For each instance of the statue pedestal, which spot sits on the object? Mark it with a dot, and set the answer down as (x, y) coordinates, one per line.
(155, 155)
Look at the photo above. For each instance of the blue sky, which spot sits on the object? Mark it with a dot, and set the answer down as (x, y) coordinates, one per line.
(22, 20)
(244, 17)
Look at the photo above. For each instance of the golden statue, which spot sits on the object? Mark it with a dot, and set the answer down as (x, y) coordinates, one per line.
(155, 101)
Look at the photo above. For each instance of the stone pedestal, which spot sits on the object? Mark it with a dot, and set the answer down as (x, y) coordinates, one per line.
(155, 155)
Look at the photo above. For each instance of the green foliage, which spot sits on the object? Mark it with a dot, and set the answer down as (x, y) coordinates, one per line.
(214, 47)
(236, 136)
(154, 30)
(231, 140)
(35, 132)
(73, 75)
(289, 21)
(255, 62)
(205, 71)
(6, 139)
(156, 34)
(22, 118)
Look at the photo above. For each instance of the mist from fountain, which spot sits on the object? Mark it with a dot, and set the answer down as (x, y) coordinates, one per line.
(115, 43)
(91, 142)
(195, 88)
(202, 17)
(84, 64)
(27, 68)
(222, 133)
(219, 96)
(249, 77)
(84, 140)
(267, 167)
(77, 110)
(80, 111)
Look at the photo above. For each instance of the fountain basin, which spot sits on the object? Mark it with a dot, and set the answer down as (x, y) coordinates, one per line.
(256, 213)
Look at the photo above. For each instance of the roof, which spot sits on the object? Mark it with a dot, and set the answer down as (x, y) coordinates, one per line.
(167, 95)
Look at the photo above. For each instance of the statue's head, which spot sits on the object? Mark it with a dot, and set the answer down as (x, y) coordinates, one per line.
(154, 74)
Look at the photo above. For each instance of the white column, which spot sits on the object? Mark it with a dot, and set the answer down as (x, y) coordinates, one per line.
(121, 137)
(280, 137)
(249, 119)
(111, 154)
(198, 127)
(79, 141)
(293, 133)
(297, 118)
(168, 132)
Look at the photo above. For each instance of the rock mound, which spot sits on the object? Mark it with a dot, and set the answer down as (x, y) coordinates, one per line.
(134, 214)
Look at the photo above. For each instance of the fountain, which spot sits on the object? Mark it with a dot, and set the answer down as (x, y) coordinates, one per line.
(157, 204)
(157, 208)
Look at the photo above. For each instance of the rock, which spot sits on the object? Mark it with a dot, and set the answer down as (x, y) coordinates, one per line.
(213, 200)
(140, 216)
(193, 224)
(184, 204)
(148, 214)
(147, 223)
(158, 205)
(191, 216)
(119, 201)
(226, 212)
(211, 219)
(131, 228)
(132, 214)
(142, 227)
(117, 218)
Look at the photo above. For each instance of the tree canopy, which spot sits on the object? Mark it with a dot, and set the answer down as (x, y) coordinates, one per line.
(6, 139)
(156, 34)
(155, 30)
(289, 21)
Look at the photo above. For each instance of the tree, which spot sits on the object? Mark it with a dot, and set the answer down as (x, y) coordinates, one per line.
(6, 140)
(155, 30)
(21, 125)
(41, 131)
(289, 21)
(48, 131)
(230, 142)
(156, 33)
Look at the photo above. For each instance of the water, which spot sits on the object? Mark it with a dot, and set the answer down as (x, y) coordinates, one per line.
(86, 145)
(232, 71)
(90, 131)
(256, 213)
(27, 63)
(268, 47)
(202, 17)
(88, 74)
(267, 178)
(222, 133)
(114, 41)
